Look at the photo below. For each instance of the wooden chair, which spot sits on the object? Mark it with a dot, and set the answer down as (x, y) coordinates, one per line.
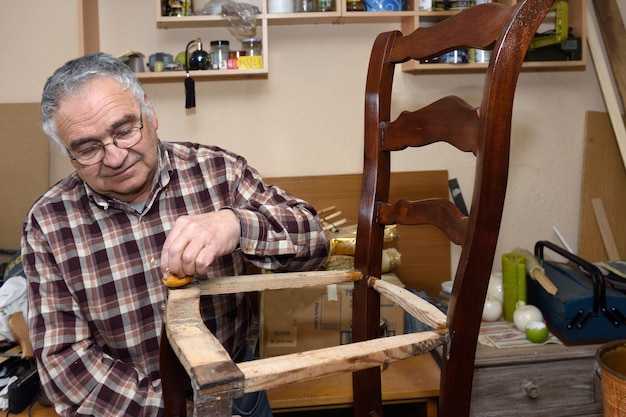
(484, 131)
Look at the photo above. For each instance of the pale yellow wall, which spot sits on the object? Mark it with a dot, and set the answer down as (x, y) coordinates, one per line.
(306, 118)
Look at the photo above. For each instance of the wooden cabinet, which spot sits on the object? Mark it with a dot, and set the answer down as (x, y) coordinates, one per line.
(408, 20)
(546, 380)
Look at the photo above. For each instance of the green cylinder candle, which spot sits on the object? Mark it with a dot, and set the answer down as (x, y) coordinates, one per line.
(513, 283)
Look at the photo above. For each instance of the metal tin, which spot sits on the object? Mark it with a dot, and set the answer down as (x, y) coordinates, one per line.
(252, 46)
(459, 56)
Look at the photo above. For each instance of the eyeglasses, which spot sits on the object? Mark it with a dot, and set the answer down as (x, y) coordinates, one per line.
(95, 153)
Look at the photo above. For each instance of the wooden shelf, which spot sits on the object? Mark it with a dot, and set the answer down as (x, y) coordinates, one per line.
(409, 20)
(577, 10)
(174, 76)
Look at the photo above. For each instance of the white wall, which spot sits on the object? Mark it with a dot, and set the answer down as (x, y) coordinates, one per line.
(306, 118)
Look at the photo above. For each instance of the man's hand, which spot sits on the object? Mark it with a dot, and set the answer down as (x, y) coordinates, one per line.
(195, 241)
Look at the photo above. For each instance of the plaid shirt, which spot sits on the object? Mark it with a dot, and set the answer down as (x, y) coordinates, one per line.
(96, 299)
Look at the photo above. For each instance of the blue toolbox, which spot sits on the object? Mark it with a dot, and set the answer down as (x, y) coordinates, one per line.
(586, 309)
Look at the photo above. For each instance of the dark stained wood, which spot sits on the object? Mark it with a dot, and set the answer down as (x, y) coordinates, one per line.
(449, 119)
(486, 133)
(174, 381)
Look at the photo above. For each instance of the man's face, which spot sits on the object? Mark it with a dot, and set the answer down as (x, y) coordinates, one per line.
(100, 110)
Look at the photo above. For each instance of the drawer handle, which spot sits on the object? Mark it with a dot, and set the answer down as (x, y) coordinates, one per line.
(531, 389)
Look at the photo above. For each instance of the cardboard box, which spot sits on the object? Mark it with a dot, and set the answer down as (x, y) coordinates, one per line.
(301, 319)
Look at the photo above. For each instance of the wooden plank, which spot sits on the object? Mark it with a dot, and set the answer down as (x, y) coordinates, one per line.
(262, 282)
(604, 177)
(411, 303)
(24, 167)
(409, 380)
(276, 371)
(614, 36)
(210, 367)
(425, 250)
(605, 229)
(606, 83)
(88, 27)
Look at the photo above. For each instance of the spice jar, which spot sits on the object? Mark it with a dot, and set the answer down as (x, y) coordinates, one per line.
(326, 6)
(219, 54)
(446, 291)
(252, 46)
(177, 8)
(355, 5)
(233, 56)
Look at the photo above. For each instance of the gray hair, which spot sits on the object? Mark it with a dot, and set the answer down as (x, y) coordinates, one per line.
(71, 77)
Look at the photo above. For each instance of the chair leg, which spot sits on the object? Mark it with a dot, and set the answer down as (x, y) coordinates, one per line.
(174, 379)
(457, 376)
(367, 393)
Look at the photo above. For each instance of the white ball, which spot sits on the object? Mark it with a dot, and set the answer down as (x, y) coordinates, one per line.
(525, 314)
(494, 290)
(492, 310)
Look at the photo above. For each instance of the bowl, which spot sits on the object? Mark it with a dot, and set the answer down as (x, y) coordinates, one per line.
(384, 5)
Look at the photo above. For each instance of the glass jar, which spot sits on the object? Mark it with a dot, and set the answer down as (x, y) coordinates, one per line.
(305, 6)
(219, 54)
(326, 6)
(252, 46)
(177, 8)
(446, 291)
(355, 6)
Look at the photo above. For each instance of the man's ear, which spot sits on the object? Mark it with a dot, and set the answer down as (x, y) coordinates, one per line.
(153, 119)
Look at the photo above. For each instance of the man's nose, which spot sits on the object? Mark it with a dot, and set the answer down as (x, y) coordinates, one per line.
(113, 156)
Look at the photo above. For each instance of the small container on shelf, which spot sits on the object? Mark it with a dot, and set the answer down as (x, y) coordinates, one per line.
(176, 8)
(280, 6)
(219, 54)
(446, 291)
(326, 5)
(252, 46)
(233, 57)
(305, 6)
(452, 4)
(355, 6)
(199, 59)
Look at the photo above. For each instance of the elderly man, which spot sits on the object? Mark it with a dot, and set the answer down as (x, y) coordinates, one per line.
(97, 244)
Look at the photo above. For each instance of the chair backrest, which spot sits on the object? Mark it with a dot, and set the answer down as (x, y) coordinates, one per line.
(484, 131)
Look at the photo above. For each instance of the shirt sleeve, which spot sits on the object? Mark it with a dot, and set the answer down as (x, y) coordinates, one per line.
(279, 232)
(78, 376)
